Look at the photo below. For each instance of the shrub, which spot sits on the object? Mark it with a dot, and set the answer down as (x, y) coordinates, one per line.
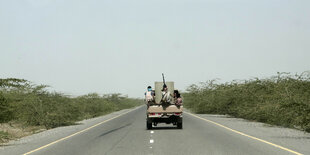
(33, 105)
(281, 100)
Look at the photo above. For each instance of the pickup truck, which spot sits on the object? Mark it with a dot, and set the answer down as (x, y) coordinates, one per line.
(159, 112)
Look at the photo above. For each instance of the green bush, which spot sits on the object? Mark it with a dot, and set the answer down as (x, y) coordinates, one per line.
(5, 109)
(280, 100)
(33, 105)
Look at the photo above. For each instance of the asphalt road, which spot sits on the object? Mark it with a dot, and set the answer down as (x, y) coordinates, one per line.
(127, 134)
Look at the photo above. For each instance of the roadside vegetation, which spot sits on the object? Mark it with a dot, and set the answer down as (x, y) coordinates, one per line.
(282, 100)
(27, 105)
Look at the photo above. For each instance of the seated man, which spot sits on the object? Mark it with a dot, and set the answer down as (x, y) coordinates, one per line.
(166, 98)
(177, 98)
(149, 95)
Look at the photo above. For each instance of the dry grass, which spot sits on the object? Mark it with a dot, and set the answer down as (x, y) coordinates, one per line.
(13, 131)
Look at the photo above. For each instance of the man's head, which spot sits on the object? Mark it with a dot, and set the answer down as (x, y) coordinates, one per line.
(149, 88)
(176, 93)
(165, 88)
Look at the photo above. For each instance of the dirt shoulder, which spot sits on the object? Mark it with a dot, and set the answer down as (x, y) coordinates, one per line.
(13, 131)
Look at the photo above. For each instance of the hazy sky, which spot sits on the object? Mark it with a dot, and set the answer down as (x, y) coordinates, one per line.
(108, 46)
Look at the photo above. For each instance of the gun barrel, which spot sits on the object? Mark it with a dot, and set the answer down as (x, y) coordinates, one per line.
(163, 78)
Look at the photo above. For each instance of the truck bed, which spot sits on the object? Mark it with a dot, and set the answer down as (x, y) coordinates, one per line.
(168, 109)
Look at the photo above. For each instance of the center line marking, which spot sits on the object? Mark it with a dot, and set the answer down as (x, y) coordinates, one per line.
(151, 140)
(152, 131)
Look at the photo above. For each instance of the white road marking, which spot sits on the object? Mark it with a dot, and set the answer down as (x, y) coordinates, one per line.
(151, 141)
(243, 134)
(152, 131)
(151, 147)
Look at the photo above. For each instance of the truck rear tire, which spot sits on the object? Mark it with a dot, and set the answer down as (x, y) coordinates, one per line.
(179, 125)
(148, 125)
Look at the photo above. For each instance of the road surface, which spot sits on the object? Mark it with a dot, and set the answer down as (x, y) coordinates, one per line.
(125, 133)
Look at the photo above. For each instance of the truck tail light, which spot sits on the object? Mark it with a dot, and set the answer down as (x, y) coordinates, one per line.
(177, 113)
(152, 113)
(159, 113)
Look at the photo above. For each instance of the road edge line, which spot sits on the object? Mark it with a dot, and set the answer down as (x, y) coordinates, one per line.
(246, 135)
(64, 138)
